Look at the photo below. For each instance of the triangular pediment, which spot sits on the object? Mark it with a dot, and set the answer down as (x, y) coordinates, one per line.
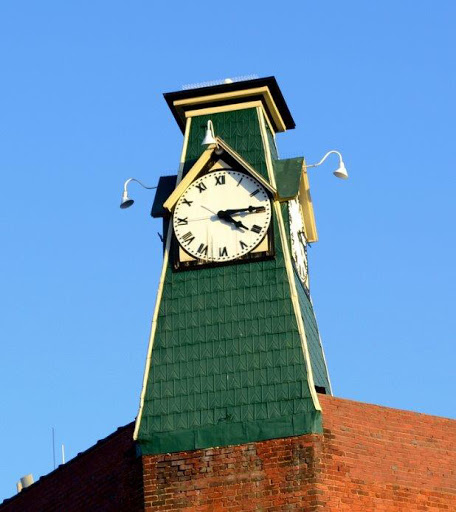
(216, 156)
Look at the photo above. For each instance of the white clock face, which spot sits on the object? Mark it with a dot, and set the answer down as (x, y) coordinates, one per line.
(298, 240)
(222, 216)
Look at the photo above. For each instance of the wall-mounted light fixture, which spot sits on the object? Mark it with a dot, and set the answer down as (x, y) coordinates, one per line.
(340, 172)
(209, 138)
(126, 201)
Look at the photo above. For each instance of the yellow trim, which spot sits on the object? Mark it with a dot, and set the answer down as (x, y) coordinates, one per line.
(222, 108)
(161, 283)
(305, 200)
(189, 177)
(264, 91)
(296, 306)
(266, 149)
(322, 351)
(247, 166)
(230, 108)
(290, 274)
(199, 165)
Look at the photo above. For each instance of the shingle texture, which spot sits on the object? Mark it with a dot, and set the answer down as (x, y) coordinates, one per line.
(227, 363)
(317, 358)
(240, 129)
(320, 373)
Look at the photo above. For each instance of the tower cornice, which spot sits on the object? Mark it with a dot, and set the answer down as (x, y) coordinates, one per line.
(265, 90)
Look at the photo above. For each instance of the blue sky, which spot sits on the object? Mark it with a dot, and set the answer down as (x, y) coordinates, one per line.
(81, 110)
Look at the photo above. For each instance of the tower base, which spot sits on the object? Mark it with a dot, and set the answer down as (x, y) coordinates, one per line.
(368, 458)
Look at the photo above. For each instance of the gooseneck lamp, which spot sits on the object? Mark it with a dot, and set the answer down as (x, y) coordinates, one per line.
(340, 172)
(209, 138)
(126, 201)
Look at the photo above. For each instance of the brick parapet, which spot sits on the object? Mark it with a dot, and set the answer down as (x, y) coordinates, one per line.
(107, 477)
(378, 458)
(370, 458)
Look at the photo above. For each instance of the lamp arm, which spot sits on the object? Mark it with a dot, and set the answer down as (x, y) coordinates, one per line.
(137, 181)
(325, 157)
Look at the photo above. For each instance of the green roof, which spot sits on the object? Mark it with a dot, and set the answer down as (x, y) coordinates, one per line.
(288, 176)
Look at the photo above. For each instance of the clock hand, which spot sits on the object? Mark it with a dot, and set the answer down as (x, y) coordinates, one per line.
(226, 216)
(208, 209)
(239, 224)
(250, 209)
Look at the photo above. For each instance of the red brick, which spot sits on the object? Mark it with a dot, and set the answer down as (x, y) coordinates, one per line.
(368, 458)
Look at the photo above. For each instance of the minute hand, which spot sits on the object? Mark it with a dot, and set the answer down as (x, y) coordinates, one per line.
(250, 209)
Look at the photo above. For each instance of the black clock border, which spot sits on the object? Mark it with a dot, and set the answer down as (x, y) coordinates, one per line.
(196, 263)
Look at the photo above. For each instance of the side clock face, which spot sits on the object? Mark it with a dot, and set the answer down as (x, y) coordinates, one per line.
(222, 216)
(298, 241)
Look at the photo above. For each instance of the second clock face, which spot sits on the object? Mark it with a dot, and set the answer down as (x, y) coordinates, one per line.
(222, 216)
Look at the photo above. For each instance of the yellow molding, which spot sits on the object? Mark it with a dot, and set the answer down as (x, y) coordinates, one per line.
(290, 275)
(153, 327)
(199, 165)
(264, 91)
(222, 108)
(230, 108)
(189, 177)
(247, 166)
(305, 200)
(266, 149)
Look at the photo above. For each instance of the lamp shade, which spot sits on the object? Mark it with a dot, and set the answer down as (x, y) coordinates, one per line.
(341, 172)
(125, 202)
(208, 138)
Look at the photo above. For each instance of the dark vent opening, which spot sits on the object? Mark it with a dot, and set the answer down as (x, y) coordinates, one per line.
(320, 389)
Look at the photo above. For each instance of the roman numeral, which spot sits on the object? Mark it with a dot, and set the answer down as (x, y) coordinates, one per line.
(182, 222)
(239, 182)
(243, 245)
(201, 187)
(202, 249)
(188, 238)
(188, 203)
(255, 229)
(220, 180)
(255, 192)
(223, 252)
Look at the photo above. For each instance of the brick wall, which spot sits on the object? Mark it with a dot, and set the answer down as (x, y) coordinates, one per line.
(271, 475)
(376, 458)
(105, 478)
(370, 458)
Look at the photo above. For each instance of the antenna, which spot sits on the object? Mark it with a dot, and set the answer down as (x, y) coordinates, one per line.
(211, 83)
(63, 453)
(53, 445)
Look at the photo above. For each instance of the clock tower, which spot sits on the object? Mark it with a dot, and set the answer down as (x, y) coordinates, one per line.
(234, 354)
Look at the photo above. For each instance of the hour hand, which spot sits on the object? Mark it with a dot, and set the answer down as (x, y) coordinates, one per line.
(224, 215)
(250, 209)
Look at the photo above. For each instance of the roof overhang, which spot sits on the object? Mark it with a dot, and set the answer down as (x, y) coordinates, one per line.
(265, 90)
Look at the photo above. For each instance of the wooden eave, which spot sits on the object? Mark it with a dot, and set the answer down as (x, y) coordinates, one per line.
(264, 89)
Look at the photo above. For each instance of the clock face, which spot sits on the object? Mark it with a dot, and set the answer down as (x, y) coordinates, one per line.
(222, 216)
(298, 241)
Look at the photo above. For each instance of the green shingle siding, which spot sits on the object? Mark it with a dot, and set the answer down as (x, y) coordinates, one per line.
(317, 360)
(271, 142)
(319, 370)
(227, 365)
(240, 129)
